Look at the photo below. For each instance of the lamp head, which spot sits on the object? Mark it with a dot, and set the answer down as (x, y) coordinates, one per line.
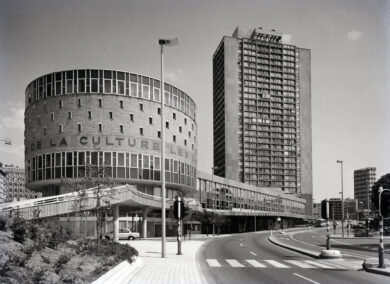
(168, 41)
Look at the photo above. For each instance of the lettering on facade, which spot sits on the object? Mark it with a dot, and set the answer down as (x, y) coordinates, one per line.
(130, 142)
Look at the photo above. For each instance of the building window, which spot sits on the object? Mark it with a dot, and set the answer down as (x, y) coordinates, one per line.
(174, 115)
(100, 127)
(110, 113)
(141, 107)
(150, 120)
(141, 131)
(189, 134)
(131, 117)
(174, 138)
(158, 110)
(61, 103)
(192, 127)
(79, 127)
(69, 115)
(121, 128)
(185, 121)
(100, 103)
(133, 89)
(89, 114)
(44, 131)
(121, 104)
(180, 129)
(167, 125)
(79, 102)
(185, 142)
(158, 134)
(52, 116)
(60, 128)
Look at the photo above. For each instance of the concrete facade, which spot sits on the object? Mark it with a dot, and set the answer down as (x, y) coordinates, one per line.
(363, 180)
(262, 112)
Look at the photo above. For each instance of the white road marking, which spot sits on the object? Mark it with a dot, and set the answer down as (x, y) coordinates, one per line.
(213, 263)
(255, 263)
(308, 279)
(253, 253)
(234, 263)
(319, 264)
(240, 245)
(300, 264)
(276, 264)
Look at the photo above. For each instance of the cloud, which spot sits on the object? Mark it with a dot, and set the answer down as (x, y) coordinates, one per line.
(174, 76)
(286, 38)
(354, 35)
(14, 121)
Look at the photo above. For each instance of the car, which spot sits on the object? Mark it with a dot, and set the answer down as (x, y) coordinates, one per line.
(123, 234)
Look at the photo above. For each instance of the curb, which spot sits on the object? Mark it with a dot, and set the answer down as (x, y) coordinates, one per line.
(369, 265)
(121, 273)
(302, 251)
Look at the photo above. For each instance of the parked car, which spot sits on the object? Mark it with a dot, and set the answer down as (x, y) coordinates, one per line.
(123, 234)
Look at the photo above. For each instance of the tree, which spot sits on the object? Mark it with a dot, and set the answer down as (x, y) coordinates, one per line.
(96, 185)
(384, 182)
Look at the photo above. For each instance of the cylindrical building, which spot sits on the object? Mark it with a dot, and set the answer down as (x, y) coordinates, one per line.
(108, 118)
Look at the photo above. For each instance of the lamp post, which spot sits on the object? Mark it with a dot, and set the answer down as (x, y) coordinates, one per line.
(342, 198)
(7, 141)
(162, 42)
(212, 189)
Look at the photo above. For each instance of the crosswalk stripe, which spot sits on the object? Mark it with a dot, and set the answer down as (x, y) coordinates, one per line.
(276, 264)
(255, 263)
(234, 263)
(319, 264)
(300, 264)
(213, 263)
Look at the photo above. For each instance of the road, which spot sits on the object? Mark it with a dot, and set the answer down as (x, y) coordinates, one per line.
(251, 258)
(361, 248)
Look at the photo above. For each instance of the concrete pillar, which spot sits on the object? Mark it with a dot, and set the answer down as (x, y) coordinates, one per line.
(145, 223)
(115, 222)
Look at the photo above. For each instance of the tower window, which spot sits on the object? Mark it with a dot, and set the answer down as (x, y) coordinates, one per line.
(69, 115)
(110, 113)
(185, 121)
(158, 110)
(180, 129)
(141, 107)
(79, 102)
(174, 138)
(174, 115)
(61, 103)
(44, 131)
(89, 114)
(158, 134)
(121, 104)
(60, 128)
(141, 131)
(79, 127)
(150, 120)
(100, 127)
(52, 116)
(100, 103)
(121, 128)
(185, 142)
(131, 117)
(167, 125)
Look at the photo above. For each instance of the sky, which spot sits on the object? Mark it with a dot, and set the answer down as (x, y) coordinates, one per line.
(349, 42)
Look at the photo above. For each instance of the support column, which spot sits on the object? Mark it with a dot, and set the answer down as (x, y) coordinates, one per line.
(145, 223)
(115, 222)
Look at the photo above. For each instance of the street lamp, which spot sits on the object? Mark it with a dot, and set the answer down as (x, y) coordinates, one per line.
(162, 42)
(212, 190)
(7, 141)
(342, 198)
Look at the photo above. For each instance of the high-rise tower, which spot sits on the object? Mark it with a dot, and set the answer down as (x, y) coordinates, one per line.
(262, 112)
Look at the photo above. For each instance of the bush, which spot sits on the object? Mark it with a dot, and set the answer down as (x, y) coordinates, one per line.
(3, 223)
(60, 263)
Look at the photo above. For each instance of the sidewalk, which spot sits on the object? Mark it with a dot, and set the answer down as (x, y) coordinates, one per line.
(181, 269)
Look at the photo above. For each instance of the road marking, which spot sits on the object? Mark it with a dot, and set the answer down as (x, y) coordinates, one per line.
(300, 264)
(308, 279)
(276, 264)
(240, 245)
(253, 253)
(255, 263)
(319, 264)
(213, 263)
(234, 263)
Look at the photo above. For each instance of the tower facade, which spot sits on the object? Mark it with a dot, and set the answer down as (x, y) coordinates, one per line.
(363, 180)
(262, 112)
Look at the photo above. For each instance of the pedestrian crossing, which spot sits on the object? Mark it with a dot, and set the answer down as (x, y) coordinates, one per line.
(270, 263)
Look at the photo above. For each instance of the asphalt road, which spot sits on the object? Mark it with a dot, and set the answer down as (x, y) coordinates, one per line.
(358, 247)
(251, 258)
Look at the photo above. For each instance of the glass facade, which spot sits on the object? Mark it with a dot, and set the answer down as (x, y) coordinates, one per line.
(118, 165)
(108, 82)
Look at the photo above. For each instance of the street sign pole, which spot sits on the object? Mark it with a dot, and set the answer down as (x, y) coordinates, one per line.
(179, 224)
